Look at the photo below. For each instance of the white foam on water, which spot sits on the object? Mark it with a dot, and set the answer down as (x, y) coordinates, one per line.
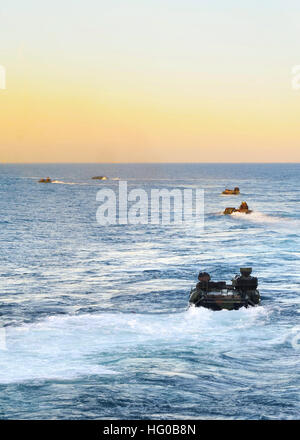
(74, 346)
(68, 183)
(259, 217)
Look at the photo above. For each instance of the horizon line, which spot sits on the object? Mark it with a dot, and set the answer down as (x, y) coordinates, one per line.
(145, 163)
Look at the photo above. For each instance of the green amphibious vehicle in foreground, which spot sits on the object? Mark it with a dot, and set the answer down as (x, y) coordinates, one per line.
(218, 295)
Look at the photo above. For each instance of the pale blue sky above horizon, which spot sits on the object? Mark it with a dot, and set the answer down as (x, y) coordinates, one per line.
(149, 81)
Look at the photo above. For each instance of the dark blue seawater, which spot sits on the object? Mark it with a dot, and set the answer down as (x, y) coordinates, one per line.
(94, 318)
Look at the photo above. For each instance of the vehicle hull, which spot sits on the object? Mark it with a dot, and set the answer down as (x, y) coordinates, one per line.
(220, 301)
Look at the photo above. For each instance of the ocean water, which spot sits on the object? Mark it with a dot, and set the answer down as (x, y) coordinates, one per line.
(94, 321)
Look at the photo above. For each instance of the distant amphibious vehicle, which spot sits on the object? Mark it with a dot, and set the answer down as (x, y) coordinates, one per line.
(218, 295)
(234, 191)
(99, 178)
(47, 180)
(244, 209)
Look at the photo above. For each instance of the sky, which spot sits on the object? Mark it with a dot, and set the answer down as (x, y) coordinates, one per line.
(149, 81)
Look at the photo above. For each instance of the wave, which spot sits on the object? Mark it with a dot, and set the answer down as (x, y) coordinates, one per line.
(258, 217)
(68, 183)
(67, 347)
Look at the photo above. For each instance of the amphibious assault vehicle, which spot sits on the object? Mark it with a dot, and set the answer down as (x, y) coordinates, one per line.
(218, 295)
(47, 180)
(244, 209)
(234, 191)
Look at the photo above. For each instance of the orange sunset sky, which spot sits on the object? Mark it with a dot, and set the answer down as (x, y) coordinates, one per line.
(149, 81)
